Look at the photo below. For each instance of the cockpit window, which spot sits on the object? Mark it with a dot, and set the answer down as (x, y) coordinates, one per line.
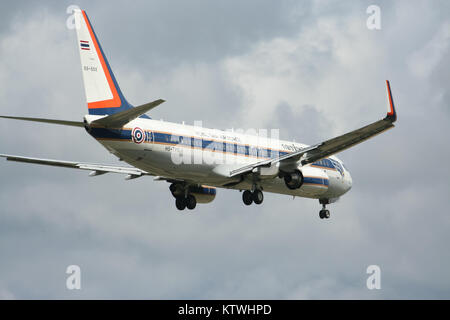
(338, 166)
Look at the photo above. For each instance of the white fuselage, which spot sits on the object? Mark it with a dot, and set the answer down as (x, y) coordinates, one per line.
(206, 156)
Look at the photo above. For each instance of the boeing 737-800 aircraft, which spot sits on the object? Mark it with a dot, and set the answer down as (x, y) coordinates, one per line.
(188, 156)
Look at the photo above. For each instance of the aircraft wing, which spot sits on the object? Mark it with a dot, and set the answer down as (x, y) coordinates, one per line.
(294, 156)
(332, 146)
(97, 169)
(338, 144)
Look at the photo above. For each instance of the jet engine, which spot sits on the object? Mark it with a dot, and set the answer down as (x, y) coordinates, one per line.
(312, 181)
(202, 194)
(293, 180)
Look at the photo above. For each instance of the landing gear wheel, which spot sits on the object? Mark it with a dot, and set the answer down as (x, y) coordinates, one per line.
(324, 214)
(247, 197)
(180, 203)
(191, 202)
(321, 215)
(257, 196)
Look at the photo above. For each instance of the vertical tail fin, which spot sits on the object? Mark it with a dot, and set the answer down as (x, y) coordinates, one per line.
(103, 94)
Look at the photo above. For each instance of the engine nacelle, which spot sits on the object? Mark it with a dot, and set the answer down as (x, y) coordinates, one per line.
(312, 181)
(315, 181)
(203, 194)
(293, 180)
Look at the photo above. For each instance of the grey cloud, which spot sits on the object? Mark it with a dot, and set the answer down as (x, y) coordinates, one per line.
(292, 125)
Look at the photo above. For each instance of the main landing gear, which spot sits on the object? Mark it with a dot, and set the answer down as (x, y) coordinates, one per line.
(256, 196)
(183, 199)
(186, 202)
(324, 213)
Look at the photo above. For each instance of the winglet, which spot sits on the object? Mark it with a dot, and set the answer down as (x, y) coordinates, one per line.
(392, 114)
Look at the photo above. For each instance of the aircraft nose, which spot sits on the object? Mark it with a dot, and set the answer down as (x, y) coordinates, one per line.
(349, 181)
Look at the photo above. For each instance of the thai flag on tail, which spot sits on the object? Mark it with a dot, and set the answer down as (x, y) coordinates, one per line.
(84, 45)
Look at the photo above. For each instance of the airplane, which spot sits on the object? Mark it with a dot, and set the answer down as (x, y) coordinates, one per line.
(190, 158)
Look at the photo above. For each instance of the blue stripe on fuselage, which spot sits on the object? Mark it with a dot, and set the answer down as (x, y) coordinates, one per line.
(205, 144)
(320, 181)
(166, 138)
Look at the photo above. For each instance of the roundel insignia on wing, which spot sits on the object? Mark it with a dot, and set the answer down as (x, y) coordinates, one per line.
(138, 135)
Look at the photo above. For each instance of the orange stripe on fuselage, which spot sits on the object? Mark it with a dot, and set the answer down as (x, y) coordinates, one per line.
(115, 101)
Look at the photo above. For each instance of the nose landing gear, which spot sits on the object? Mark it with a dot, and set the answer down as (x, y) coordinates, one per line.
(324, 213)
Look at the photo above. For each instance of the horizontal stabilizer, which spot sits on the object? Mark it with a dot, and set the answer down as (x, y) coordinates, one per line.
(51, 121)
(119, 119)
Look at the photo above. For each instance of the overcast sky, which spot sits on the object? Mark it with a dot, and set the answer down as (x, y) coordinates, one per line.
(311, 69)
